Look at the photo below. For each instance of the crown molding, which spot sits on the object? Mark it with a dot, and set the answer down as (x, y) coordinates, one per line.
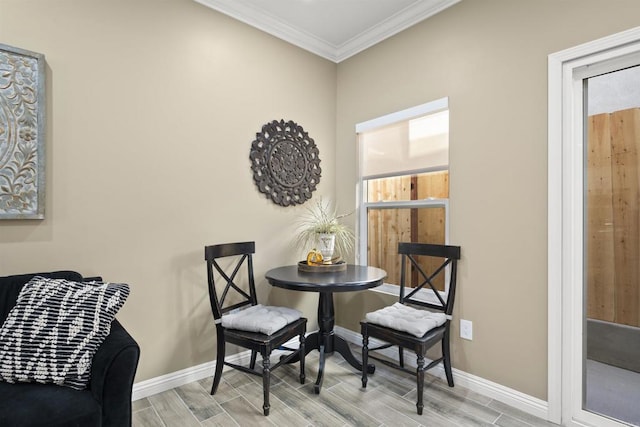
(305, 40)
(393, 25)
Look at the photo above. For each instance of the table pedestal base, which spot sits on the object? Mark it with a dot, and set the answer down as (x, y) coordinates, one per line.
(327, 342)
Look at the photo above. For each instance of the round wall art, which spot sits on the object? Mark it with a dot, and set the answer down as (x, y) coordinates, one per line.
(285, 163)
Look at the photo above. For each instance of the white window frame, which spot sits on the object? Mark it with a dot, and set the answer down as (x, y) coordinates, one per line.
(363, 205)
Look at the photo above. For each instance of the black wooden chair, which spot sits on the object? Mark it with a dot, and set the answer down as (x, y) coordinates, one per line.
(407, 327)
(240, 320)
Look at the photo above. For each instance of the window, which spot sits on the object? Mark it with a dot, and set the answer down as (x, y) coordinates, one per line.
(404, 185)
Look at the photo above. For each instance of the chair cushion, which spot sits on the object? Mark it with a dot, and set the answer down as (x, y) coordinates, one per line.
(54, 330)
(406, 319)
(261, 318)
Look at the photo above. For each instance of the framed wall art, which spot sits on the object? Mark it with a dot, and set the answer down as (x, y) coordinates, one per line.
(22, 133)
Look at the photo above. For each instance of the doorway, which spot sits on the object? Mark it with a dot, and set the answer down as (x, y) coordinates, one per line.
(582, 269)
(611, 363)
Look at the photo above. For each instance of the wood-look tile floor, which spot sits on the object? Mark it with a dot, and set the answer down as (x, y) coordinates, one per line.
(388, 400)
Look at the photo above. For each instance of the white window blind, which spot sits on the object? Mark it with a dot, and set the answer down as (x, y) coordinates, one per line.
(419, 144)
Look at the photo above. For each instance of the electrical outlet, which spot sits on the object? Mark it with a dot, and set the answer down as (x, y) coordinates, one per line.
(466, 329)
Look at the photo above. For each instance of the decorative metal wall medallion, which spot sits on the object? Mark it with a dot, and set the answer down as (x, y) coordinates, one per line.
(22, 130)
(285, 163)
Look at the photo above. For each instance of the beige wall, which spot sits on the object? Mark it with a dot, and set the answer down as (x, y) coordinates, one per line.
(152, 108)
(490, 58)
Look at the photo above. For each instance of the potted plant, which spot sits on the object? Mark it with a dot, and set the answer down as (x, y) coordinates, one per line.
(319, 229)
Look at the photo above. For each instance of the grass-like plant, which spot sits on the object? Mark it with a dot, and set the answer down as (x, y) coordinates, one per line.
(322, 218)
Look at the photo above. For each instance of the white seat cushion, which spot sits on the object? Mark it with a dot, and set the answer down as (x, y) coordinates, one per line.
(407, 319)
(261, 318)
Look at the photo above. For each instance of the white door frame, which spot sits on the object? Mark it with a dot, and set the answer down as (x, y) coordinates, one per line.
(565, 218)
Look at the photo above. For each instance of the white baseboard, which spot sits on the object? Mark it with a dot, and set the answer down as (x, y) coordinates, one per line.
(166, 382)
(506, 395)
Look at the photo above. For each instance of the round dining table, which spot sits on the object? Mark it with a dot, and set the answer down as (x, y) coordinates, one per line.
(353, 278)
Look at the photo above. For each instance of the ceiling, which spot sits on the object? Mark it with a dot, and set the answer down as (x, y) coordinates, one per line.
(332, 29)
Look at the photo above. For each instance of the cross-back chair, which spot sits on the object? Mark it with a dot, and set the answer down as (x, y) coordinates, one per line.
(403, 325)
(240, 320)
